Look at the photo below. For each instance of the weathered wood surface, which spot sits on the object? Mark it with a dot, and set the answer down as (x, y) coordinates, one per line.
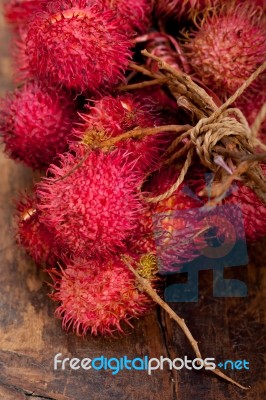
(30, 336)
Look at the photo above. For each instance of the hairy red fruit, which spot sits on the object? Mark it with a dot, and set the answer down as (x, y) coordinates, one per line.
(252, 207)
(112, 116)
(250, 104)
(253, 211)
(34, 236)
(97, 297)
(228, 48)
(135, 14)
(160, 218)
(78, 45)
(178, 9)
(177, 229)
(167, 48)
(18, 12)
(36, 123)
(20, 59)
(95, 208)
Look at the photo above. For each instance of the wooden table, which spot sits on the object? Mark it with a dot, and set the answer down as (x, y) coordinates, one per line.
(30, 336)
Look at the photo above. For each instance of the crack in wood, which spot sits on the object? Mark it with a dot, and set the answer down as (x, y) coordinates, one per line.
(27, 393)
(37, 396)
(163, 333)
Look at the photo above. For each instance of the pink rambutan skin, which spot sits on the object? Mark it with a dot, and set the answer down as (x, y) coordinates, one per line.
(34, 236)
(94, 208)
(186, 197)
(78, 45)
(97, 297)
(22, 72)
(36, 124)
(250, 104)
(135, 14)
(18, 12)
(113, 116)
(228, 47)
(252, 207)
(178, 9)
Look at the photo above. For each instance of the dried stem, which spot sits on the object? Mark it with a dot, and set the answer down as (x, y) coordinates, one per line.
(144, 71)
(190, 89)
(135, 133)
(146, 286)
(141, 85)
(140, 132)
(261, 116)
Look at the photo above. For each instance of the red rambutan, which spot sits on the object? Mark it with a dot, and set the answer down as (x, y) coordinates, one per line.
(177, 229)
(36, 123)
(112, 116)
(252, 207)
(253, 211)
(177, 9)
(160, 218)
(18, 12)
(135, 14)
(78, 45)
(95, 208)
(35, 237)
(97, 297)
(21, 68)
(250, 104)
(228, 47)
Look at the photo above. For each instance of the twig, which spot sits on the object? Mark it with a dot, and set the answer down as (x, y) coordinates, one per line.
(145, 284)
(255, 128)
(144, 71)
(139, 132)
(141, 85)
(192, 90)
(135, 133)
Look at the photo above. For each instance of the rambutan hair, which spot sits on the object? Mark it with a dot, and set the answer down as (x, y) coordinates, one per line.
(78, 44)
(111, 116)
(97, 297)
(92, 207)
(36, 124)
(19, 12)
(135, 14)
(228, 47)
(179, 9)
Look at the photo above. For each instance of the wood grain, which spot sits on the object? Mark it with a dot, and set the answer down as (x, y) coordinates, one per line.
(30, 336)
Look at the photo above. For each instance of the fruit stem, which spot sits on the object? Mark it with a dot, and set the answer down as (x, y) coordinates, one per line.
(145, 284)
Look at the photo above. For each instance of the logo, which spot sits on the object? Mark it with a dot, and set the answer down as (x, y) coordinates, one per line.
(196, 239)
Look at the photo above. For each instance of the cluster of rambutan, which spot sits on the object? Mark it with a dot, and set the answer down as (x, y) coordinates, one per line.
(88, 212)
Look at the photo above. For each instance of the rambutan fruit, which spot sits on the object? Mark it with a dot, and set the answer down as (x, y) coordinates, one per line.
(176, 234)
(18, 12)
(253, 211)
(178, 9)
(20, 60)
(250, 104)
(78, 44)
(167, 48)
(94, 208)
(33, 235)
(36, 123)
(136, 15)
(112, 116)
(177, 229)
(229, 46)
(252, 207)
(97, 297)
